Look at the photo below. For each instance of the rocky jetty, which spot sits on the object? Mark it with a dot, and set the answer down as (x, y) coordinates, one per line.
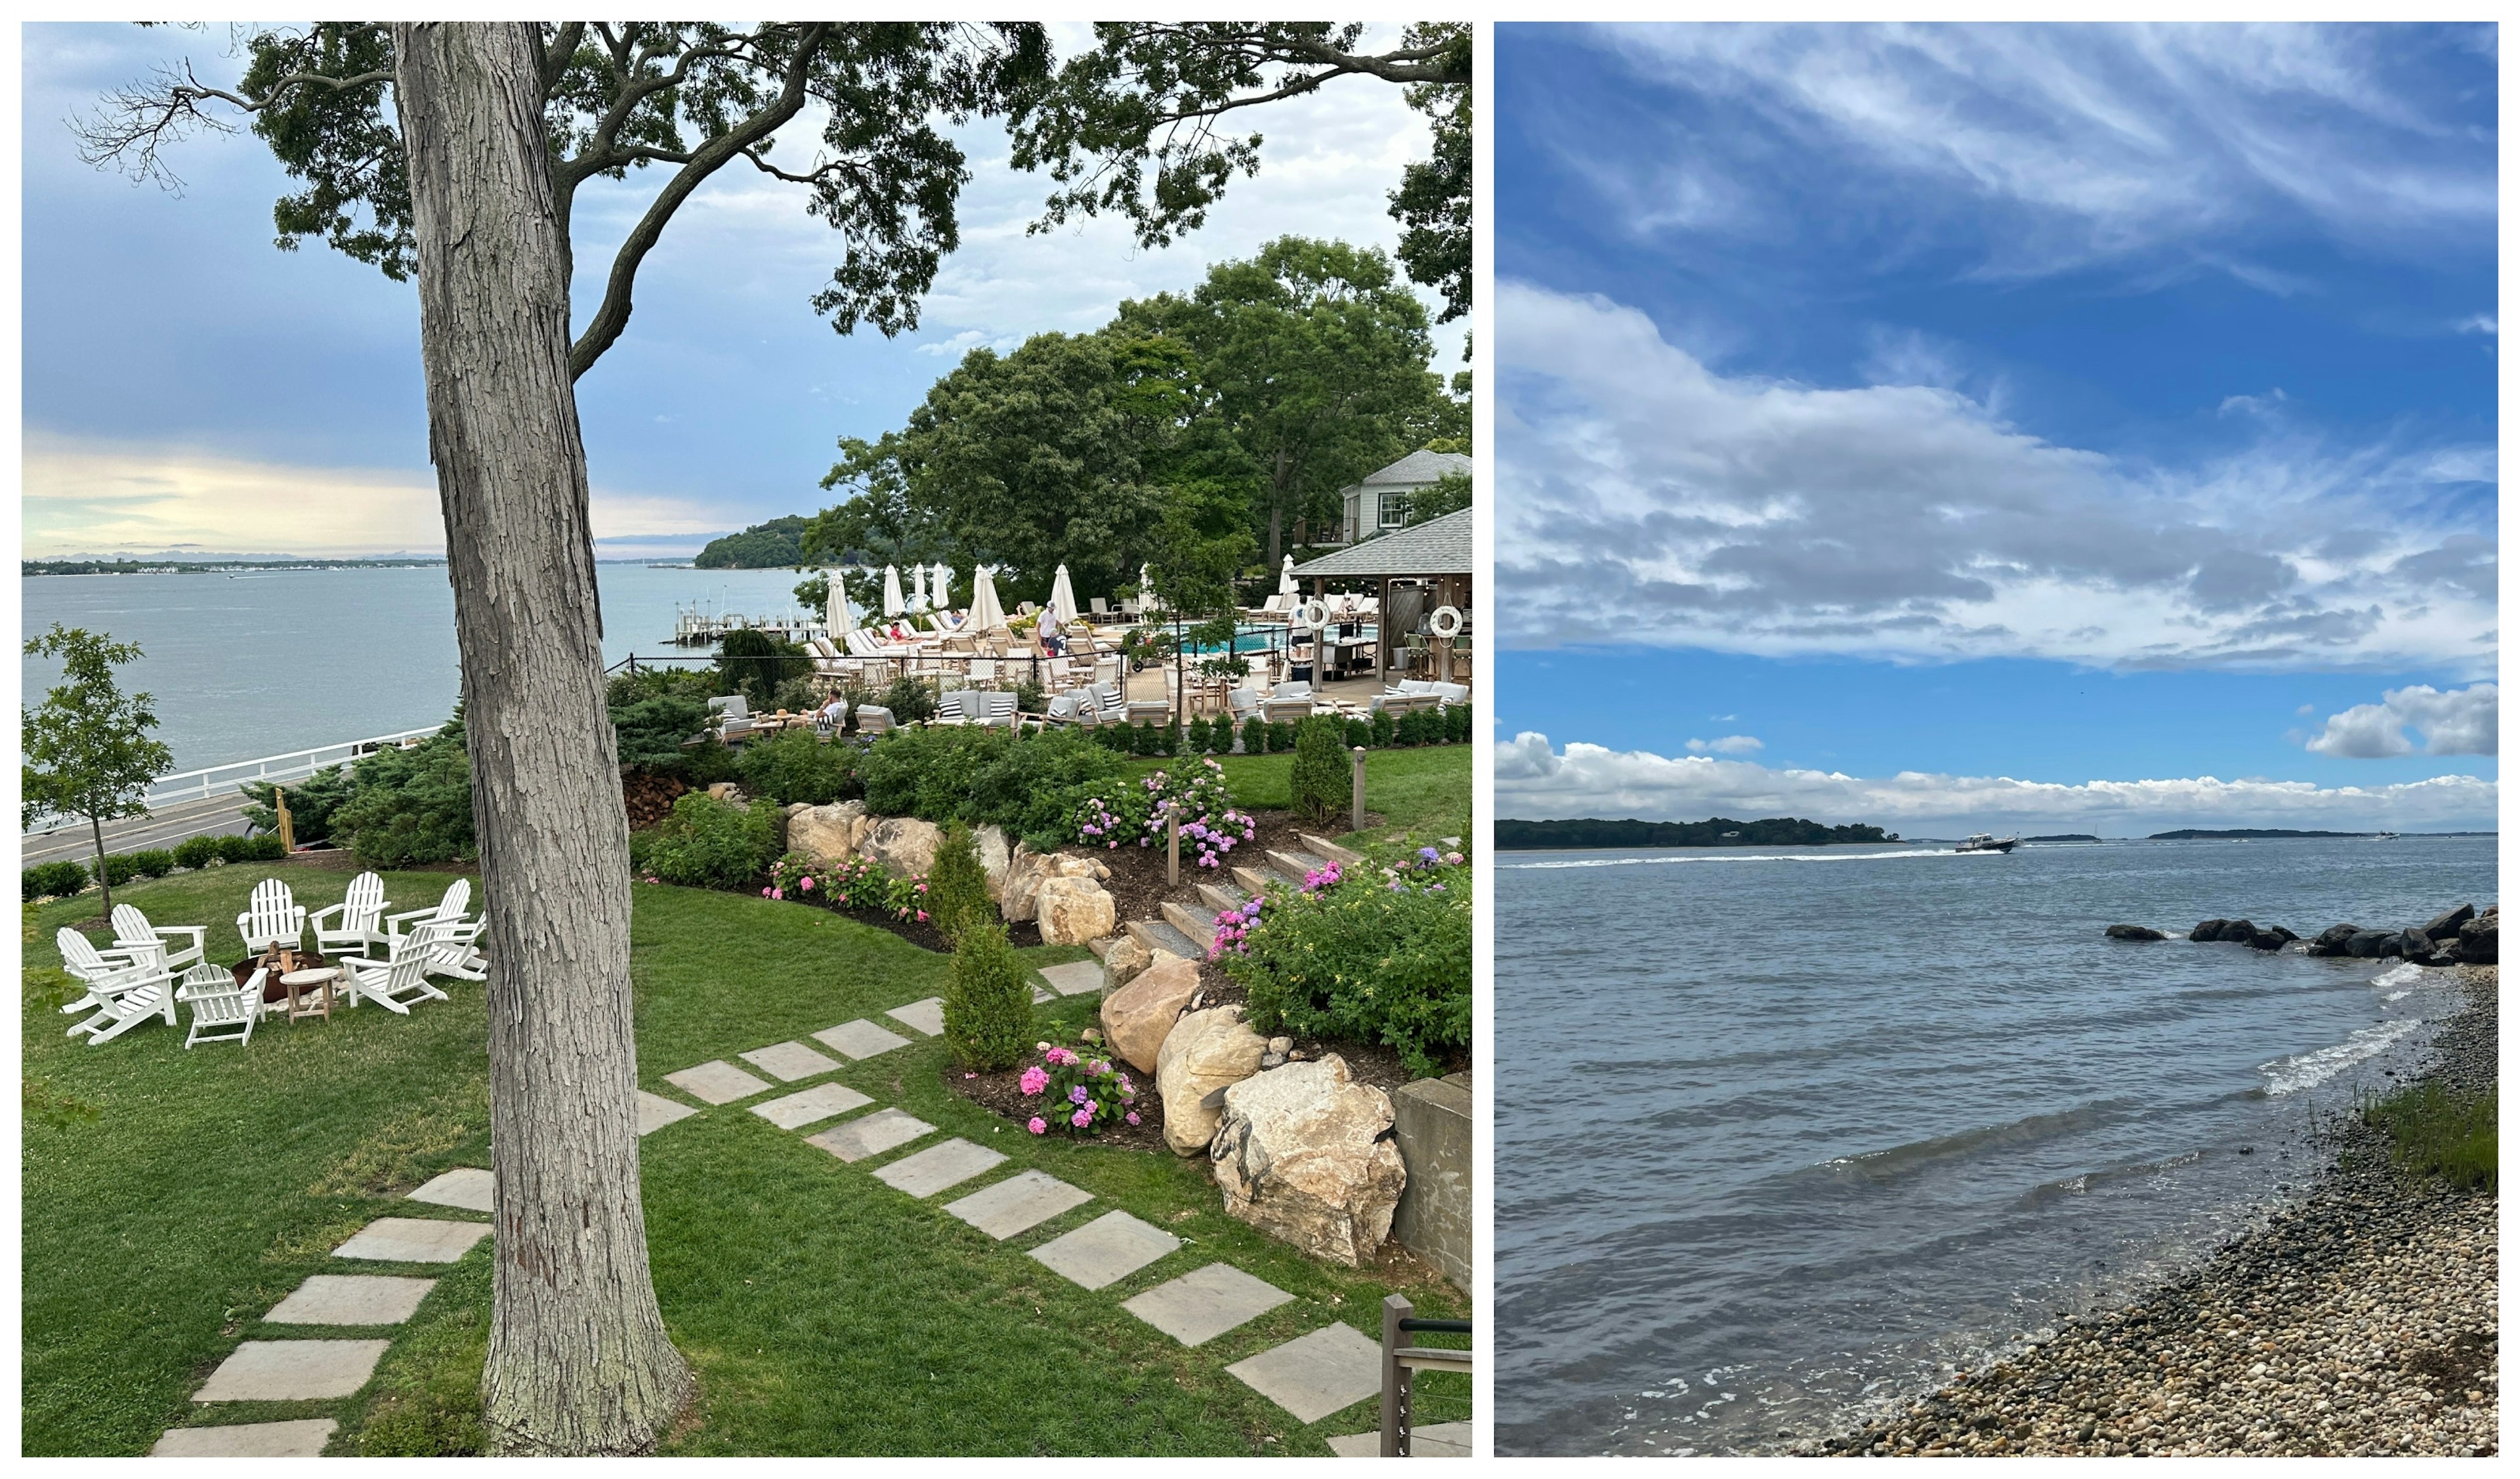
(2459, 937)
(2360, 1320)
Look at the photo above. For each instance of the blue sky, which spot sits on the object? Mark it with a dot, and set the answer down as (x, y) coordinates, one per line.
(2096, 411)
(187, 384)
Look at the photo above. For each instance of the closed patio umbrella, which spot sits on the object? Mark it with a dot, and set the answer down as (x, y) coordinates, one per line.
(986, 613)
(918, 588)
(892, 605)
(1146, 587)
(942, 588)
(1062, 598)
(837, 618)
(1286, 578)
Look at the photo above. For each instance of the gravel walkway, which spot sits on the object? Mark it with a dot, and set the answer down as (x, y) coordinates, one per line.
(2360, 1322)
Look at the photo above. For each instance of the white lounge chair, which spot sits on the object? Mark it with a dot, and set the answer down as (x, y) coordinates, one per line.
(134, 936)
(358, 921)
(223, 1011)
(135, 998)
(400, 981)
(1098, 607)
(451, 947)
(273, 918)
(81, 958)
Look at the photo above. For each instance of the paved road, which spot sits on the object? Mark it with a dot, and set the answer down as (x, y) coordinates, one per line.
(164, 828)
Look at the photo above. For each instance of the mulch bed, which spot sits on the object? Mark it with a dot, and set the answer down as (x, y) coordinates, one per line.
(1002, 1093)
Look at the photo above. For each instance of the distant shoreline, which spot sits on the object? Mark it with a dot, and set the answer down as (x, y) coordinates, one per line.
(1505, 843)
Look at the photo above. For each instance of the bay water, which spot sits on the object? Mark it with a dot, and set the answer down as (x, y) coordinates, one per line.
(251, 663)
(1787, 1137)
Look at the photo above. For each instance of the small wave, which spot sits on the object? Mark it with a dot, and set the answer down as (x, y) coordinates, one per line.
(2291, 1075)
(2401, 975)
(2077, 1185)
(1899, 1160)
(1919, 852)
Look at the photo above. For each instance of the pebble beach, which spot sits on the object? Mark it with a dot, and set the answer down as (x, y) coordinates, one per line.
(2358, 1321)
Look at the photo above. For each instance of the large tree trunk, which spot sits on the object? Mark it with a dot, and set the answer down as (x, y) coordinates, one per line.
(579, 1360)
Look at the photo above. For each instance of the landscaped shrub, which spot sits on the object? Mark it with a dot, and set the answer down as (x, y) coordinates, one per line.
(958, 887)
(648, 733)
(1359, 734)
(53, 880)
(755, 664)
(1320, 780)
(1255, 737)
(153, 863)
(114, 868)
(1387, 963)
(1383, 726)
(414, 806)
(705, 843)
(312, 803)
(1132, 810)
(799, 878)
(795, 766)
(864, 885)
(1027, 785)
(988, 1002)
(196, 852)
(243, 849)
(912, 700)
(1457, 724)
(1081, 1090)
(698, 684)
(1282, 737)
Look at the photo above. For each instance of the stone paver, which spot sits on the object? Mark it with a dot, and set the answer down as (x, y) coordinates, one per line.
(1041, 994)
(788, 1062)
(655, 1111)
(873, 1135)
(1106, 1250)
(292, 1370)
(303, 1439)
(925, 1016)
(1436, 1440)
(413, 1239)
(939, 1166)
(1315, 1376)
(1205, 1303)
(1075, 979)
(351, 1299)
(464, 1187)
(860, 1039)
(1018, 1202)
(795, 1110)
(716, 1082)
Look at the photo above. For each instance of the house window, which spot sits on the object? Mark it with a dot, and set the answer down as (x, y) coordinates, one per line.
(1395, 509)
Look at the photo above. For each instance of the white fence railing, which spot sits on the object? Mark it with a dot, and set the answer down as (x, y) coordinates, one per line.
(202, 784)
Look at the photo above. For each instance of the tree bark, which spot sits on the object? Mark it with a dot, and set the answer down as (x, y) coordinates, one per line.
(579, 1360)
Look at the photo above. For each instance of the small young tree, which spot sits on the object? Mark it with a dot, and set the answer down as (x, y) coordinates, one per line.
(1319, 778)
(958, 886)
(988, 1004)
(87, 746)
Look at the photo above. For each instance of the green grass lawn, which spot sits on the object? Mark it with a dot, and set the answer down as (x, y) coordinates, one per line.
(1424, 789)
(172, 1197)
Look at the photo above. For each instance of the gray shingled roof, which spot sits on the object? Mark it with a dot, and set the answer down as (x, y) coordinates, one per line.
(1418, 469)
(1437, 546)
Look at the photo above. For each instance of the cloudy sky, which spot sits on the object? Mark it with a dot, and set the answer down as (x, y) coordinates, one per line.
(1955, 426)
(187, 385)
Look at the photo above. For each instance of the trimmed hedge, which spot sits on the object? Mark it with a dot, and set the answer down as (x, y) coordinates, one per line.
(53, 880)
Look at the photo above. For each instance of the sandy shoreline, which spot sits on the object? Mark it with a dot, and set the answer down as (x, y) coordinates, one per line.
(2362, 1321)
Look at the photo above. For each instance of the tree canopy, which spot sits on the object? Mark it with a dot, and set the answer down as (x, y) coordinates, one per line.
(763, 547)
(87, 748)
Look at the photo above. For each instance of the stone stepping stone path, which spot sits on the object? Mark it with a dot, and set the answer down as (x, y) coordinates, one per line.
(1075, 979)
(655, 1112)
(303, 1439)
(293, 1371)
(1315, 1376)
(465, 1186)
(860, 1039)
(1205, 1303)
(788, 1062)
(351, 1299)
(1436, 1440)
(716, 1082)
(926, 1016)
(1041, 994)
(1108, 1249)
(873, 1135)
(794, 1112)
(949, 1163)
(413, 1239)
(1018, 1203)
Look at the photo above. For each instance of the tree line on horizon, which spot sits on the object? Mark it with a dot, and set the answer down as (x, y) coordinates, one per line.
(1715, 832)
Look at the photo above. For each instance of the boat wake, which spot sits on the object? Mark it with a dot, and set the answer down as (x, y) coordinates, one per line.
(1730, 857)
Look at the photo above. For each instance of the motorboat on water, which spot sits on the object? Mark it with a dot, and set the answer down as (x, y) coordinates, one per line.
(1988, 842)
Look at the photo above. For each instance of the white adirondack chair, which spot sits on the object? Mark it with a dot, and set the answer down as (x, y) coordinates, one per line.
(450, 947)
(222, 1010)
(272, 918)
(81, 958)
(398, 982)
(117, 1000)
(358, 921)
(134, 934)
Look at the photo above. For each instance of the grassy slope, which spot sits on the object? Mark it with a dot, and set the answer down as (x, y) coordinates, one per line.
(170, 1197)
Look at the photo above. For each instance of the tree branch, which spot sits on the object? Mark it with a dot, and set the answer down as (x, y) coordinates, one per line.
(135, 123)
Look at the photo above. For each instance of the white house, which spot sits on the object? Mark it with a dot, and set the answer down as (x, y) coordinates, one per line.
(1381, 502)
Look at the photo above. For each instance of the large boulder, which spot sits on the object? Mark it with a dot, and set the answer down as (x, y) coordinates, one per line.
(2269, 939)
(990, 842)
(1019, 896)
(2238, 932)
(1301, 1156)
(1205, 1052)
(2334, 940)
(2446, 927)
(2135, 933)
(2414, 945)
(2209, 929)
(1139, 1016)
(904, 845)
(1122, 963)
(2476, 940)
(1073, 910)
(829, 834)
(2375, 944)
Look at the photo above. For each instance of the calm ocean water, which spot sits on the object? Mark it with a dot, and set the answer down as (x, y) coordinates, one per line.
(1782, 1136)
(268, 662)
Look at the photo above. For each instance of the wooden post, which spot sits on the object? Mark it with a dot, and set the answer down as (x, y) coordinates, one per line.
(1356, 793)
(1172, 843)
(1395, 1378)
(287, 832)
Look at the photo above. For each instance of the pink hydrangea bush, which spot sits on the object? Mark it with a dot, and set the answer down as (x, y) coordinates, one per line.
(1083, 1089)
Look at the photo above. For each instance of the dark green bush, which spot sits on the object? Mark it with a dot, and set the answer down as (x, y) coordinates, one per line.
(1411, 728)
(912, 700)
(1359, 735)
(1171, 742)
(988, 1002)
(958, 887)
(262, 847)
(411, 806)
(1282, 737)
(705, 843)
(755, 663)
(1029, 784)
(1320, 780)
(153, 862)
(196, 852)
(52, 881)
(114, 868)
(648, 732)
(236, 848)
(1255, 737)
(1383, 730)
(1457, 724)
(1365, 963)
(698, 684)
(312, 803)
(794, 766)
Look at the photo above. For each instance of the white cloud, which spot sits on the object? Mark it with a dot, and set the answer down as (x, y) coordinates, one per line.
(2461, 722)
(1729, 744)
(1649, 499)
(1535, 781)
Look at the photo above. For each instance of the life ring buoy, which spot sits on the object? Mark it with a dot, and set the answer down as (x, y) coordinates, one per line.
(1446, 622)
(1315, 614)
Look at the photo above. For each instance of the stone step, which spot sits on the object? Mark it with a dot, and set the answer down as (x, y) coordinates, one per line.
(1193, 923)
(1221, 896)
(1254, 880)
(1344, 857)
(1292, 865)
(1158, 934)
